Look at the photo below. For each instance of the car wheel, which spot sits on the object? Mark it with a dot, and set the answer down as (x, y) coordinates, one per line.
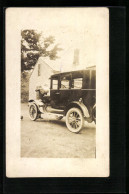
(33, 112)
(74, 120)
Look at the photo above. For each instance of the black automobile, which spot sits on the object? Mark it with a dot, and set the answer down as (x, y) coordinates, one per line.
(72, 94)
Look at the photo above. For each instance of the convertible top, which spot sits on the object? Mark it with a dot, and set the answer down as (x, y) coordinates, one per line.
(78, 73)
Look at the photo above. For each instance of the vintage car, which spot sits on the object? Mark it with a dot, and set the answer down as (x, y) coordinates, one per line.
(72, 94)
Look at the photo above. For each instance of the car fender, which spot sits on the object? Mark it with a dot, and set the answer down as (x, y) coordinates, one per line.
(79, 105)
(38, 103)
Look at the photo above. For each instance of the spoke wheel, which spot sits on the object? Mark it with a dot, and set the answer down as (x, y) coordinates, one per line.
(33, 112)
(74, 120)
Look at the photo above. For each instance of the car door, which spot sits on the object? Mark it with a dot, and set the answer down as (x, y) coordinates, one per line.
(70, 90)
(64, 90)
(54, 93)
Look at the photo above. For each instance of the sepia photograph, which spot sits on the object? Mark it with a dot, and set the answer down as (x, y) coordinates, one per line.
(56, 100)
(57, 67)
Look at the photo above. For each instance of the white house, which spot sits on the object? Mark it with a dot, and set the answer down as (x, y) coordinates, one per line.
(40, 76)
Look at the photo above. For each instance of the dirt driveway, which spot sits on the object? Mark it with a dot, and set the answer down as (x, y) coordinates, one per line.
(50, 138)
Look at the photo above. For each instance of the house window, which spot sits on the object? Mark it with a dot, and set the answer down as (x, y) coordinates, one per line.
(77, 83)
(39, 70)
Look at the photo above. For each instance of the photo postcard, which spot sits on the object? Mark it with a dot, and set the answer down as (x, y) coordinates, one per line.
(57, 92)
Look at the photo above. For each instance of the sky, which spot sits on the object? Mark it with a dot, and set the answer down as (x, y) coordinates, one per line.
(82, 28)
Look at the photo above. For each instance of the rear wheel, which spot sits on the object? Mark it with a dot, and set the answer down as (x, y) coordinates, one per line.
(33, 112)
(74, 120)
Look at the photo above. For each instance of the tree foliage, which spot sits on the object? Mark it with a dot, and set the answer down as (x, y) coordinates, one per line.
(34, 45)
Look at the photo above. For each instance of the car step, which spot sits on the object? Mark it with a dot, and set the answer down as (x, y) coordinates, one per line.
(58, 116)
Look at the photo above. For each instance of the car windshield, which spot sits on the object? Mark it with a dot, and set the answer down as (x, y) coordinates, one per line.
(55, 84)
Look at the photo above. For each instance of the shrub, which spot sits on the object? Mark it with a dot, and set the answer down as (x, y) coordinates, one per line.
(25, 86)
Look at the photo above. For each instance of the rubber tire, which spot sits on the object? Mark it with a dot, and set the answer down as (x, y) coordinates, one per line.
(82, 120)
(36, 109)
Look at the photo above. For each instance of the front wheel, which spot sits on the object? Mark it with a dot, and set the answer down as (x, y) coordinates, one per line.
(33, 112)
(74, 120)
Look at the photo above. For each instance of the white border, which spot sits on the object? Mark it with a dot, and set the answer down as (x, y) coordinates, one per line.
(20, 18)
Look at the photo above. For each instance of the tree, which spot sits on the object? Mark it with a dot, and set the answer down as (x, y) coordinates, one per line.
(34, 45)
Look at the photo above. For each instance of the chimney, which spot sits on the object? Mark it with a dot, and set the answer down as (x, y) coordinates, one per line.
(76, 57)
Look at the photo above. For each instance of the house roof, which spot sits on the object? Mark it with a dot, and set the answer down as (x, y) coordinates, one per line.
(91, 67)
(53, 64)
(57, 67)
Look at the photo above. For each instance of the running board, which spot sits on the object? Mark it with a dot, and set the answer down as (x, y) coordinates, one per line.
(53, 110)
(52, 114)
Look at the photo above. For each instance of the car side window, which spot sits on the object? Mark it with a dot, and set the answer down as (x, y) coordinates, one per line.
(55, 84)
(64, 84)
(76, 83)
